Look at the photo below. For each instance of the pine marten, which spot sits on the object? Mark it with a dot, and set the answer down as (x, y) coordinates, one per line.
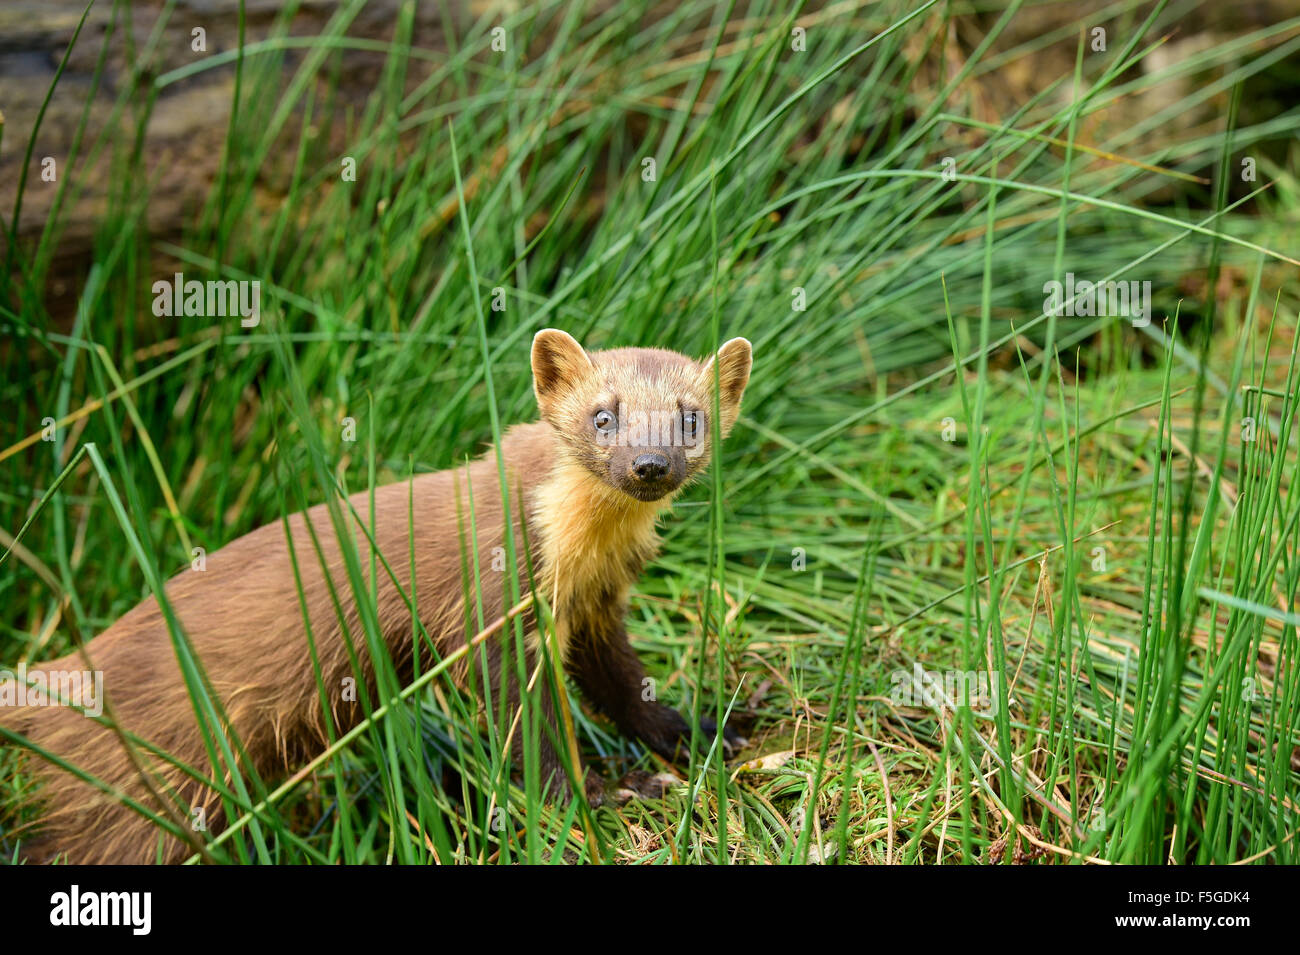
(621, 432)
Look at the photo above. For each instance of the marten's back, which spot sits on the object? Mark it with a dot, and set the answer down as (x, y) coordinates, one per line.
(244, 616)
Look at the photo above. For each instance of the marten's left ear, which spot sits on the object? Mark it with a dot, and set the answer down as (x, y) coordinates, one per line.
(558, 363)
(733, 362)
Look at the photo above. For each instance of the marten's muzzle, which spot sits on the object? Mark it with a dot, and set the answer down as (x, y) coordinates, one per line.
(649, 474)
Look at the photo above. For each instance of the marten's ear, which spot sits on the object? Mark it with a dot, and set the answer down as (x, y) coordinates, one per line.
(733, 362)
(558, 362)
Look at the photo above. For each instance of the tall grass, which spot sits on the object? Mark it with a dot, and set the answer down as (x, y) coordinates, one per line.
(931, 470)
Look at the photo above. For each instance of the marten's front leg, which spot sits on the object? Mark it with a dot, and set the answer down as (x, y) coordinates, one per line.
(610, 675)
(555, 783)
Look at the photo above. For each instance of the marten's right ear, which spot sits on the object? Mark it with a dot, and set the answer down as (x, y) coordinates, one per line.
(558, 362)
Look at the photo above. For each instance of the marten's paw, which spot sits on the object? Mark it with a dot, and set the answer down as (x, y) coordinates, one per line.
(594, 784)
(732, 742)
(639, 784)
(560, 791)
(669, 735)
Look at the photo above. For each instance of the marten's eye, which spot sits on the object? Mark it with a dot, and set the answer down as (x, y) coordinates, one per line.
(690, 424)
(605, 421)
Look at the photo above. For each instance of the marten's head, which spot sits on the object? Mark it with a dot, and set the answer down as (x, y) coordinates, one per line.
(639, 419)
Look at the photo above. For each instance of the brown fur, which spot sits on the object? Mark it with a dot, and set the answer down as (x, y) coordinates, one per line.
(589, 535)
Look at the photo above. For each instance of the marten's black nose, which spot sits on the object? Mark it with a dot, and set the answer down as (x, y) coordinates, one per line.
(650, 467)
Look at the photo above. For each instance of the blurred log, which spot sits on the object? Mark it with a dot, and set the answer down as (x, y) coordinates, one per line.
(186, 130)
